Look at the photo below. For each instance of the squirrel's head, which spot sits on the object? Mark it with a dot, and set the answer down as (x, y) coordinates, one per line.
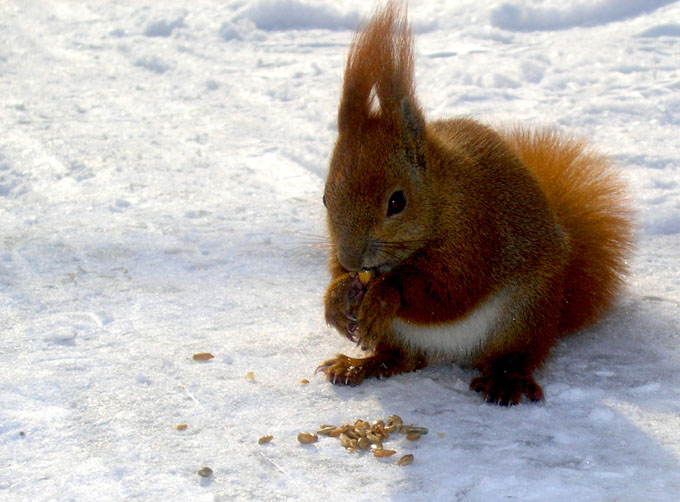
(376, 192)
(377, 199)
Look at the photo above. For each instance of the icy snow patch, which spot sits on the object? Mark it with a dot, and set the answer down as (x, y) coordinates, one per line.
(662, 30)
(279, 15)
(510, 16)
(163, 27)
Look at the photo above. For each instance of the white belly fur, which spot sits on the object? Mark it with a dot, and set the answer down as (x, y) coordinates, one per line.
(459, 339)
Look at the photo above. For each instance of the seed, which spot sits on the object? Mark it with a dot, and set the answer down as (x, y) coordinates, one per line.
(413, 436)
(304, 381)
(364, 443)
(365, 276)
(205, 472)
(337, 431)
(361, 432)
(383, 453)
(203, 356)
(181, 427)
(408, 429)
(395, 420)
(265, 439)
(352, 434)
(250, 376)
(362, 424)
(326, 430)
(345, 440)
(380, 429)
(405, 460)
(377, 446)
(373, 438)
(306, 437)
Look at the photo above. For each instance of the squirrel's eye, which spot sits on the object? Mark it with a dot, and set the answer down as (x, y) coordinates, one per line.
(396, 204)
(324, 200)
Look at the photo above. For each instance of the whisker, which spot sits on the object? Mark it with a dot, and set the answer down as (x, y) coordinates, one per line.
(303, 247)
(307, 237)
(389, 254)
(402, 244)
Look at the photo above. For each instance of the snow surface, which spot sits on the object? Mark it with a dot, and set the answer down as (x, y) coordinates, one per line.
(161, 170)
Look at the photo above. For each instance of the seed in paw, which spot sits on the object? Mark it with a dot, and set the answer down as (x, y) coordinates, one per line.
(365, 276)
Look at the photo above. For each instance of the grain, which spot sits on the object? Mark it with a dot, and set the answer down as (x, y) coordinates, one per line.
(307, 437)
(205, 472)
(405, 460)
(265, 439)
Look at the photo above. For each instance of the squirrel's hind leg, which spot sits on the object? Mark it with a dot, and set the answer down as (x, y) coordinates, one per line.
(384, 362)
(523, 345)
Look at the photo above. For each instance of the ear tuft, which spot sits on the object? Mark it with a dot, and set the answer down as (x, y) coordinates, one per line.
(380, 64)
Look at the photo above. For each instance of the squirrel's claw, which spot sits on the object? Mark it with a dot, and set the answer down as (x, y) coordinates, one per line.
(322, 367)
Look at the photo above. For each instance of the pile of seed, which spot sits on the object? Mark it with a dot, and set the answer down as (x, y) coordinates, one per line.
(364, 436)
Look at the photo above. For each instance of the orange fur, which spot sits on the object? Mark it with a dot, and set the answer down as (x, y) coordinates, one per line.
(589, 201)
(486, 245)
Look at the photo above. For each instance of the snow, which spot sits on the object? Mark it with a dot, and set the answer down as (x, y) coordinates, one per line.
(576, 13)
(161, 170)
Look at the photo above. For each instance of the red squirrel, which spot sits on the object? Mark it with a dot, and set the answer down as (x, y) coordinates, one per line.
(479, 246)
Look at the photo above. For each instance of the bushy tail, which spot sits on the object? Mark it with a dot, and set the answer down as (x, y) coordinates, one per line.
(591, 206)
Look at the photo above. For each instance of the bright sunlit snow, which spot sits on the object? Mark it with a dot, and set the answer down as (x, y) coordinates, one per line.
(161, 172)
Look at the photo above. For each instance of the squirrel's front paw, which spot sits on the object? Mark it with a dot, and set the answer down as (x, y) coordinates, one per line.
(385, 362)
(342, 299)
(376, 314)
(344, 370)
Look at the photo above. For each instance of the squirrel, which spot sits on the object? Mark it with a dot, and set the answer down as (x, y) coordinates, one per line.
(475, 246)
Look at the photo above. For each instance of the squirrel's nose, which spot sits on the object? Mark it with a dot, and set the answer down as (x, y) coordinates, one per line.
(351, 258)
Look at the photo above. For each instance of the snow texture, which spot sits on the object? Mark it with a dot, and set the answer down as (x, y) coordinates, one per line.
(161, 171)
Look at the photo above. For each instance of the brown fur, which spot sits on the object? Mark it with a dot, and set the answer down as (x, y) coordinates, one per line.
(529, 217)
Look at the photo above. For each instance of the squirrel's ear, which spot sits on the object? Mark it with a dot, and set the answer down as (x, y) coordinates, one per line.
(413, 130)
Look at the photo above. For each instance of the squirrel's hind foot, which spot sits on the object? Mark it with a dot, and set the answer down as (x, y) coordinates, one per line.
(506, 389)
